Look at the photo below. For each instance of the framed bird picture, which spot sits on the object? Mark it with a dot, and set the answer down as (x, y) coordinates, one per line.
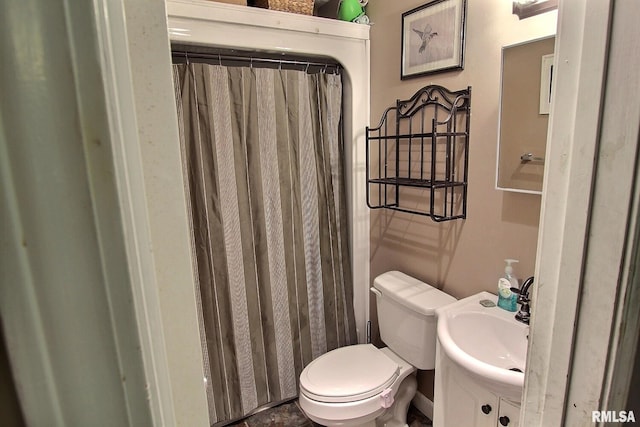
(433, 38)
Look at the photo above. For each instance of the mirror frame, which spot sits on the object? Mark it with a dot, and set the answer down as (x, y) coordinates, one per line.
(499, 132)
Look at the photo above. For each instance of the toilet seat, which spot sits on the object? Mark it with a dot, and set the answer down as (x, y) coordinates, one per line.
(337, 399)
(349, 374)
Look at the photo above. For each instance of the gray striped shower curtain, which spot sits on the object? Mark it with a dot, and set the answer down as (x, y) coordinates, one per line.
(264, 171)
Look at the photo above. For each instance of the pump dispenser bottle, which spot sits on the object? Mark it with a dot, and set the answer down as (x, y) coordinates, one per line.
(507, 299)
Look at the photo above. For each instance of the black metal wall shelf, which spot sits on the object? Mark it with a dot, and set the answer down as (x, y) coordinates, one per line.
(417, 157)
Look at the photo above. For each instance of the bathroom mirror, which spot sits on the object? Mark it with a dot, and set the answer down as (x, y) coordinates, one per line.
(527, 74)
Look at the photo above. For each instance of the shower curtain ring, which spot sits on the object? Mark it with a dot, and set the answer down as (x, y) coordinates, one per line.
(219, 60)
(306, 70)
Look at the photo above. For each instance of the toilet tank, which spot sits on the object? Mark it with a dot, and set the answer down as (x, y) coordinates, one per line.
(406, 316)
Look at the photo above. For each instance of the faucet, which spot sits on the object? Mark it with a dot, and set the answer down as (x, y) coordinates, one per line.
(524, 314)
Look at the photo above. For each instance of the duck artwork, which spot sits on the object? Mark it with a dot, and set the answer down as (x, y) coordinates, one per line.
(425, 35)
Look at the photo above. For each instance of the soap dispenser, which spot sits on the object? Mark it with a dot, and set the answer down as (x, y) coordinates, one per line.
(507, 299)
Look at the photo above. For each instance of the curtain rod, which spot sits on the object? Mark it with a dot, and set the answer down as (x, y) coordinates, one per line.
(252, 59)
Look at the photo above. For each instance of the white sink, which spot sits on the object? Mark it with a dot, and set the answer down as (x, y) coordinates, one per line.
(488, 342)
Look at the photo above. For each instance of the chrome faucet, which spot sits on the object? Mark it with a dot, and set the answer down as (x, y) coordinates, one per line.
(524, 314)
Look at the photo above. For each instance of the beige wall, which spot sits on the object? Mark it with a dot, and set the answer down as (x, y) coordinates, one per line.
(466, 256)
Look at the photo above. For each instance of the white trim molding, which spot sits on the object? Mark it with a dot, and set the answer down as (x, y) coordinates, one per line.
(77, 333)
(589, 205)
(423, 404)
(581, 45)
(113, 47)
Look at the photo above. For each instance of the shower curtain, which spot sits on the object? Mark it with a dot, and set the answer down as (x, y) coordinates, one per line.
(263, 163)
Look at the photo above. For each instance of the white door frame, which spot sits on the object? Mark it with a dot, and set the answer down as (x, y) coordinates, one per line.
(588, 205)
(582, 249)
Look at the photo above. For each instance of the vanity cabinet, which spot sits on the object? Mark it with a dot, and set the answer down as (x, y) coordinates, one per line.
(508, 414)
(460, 400)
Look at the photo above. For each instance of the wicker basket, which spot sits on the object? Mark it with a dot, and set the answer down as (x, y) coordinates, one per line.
(304, 7)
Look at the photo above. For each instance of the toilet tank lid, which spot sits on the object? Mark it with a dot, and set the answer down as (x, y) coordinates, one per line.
(411, 292)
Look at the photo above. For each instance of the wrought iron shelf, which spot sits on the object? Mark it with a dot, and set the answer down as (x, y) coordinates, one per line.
(417, 157)
(412, 182)
(416, 135)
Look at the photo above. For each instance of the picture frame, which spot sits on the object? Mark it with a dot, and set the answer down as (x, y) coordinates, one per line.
(433, 38)
(546, 80)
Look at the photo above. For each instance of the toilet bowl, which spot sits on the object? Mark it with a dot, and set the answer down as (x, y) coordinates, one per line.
(362, 385)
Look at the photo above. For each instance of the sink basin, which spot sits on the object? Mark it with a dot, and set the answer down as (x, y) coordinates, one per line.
(487, 342)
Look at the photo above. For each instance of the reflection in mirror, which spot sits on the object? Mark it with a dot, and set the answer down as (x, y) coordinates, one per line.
(527, 74)
(528, 8)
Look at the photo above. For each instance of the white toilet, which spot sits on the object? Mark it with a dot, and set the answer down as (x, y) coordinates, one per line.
(361, 385)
